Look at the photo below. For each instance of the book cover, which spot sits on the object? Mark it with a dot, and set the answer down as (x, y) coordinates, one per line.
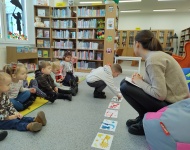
(39, 53)
(47, 44)
(22, 50)
(46, 23)
(41, 12)
(46, 33)
(39, 33)
(45, 53)
(40, 43)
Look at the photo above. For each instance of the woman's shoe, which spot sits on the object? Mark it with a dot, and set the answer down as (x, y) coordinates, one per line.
(136, 129)
(133, 121)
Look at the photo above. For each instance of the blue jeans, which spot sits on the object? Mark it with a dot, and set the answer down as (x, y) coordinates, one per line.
(20, 100)
(18, 124)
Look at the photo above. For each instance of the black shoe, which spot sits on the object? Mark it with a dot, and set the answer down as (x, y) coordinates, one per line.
(68, 97)
(3, 135)
(52, 97)
(27, 104)
(74, 91)
(133, 121)
(136, 129)
(99, 95)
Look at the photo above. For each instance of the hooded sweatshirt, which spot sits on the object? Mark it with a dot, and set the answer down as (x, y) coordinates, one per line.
(103, 74)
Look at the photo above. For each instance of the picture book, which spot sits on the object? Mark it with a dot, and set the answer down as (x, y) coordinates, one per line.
(39, 33)
(113, 105)
(45, 53)
(46, 33)
(111, 113)
(46, 23)
(115, 99)
(40, 43)
(39, 53)
(109, 125)
(47, 44)
(103, 141)
(41, 12)
(22, 49)
(130, 81)
(32, 50)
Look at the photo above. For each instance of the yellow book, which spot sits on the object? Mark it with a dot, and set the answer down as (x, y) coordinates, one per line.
(45, 53)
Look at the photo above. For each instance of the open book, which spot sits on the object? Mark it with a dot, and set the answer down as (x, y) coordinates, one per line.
(130, 81)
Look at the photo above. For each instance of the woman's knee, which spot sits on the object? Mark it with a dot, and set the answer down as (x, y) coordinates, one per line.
(123, 87)
(122, 82)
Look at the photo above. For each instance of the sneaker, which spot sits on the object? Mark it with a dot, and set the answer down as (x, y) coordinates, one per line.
(99, 95)
(133, 121)
(40, 118)
(137, 129)
(3, 135)
(68, 97)
(34, 126)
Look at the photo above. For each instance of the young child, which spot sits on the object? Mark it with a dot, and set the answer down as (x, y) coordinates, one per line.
(102, 77)
(68, 72)
(19, 96)
(3, 135)
(46, 83)
(9, 117)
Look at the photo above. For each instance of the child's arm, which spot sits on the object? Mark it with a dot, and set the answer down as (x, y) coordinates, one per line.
(44, 84)
(64, 70)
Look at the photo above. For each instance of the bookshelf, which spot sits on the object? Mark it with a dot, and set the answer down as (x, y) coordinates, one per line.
(87, 31)
(43, 34)
(185, 37)
(28, 58)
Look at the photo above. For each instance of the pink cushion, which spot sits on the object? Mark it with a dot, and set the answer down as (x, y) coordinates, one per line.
(183, 146)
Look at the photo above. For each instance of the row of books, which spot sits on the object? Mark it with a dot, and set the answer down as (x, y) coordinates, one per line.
(26, 49)
(87, 45)
(86, 34)
(63, 34)
(43, 43)
(92, 23)
(87, 12)
(63, 24)
(60, 53)
(30, 66)
(89, 55)
(86, 65)
(62, 13)
(42, 33)
(43, 53)
(63, 44)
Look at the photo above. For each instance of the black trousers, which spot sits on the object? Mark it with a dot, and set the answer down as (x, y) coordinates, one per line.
(139, 100)
(99, 85)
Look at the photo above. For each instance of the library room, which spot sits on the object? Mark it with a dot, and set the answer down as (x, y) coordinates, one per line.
(94, 74)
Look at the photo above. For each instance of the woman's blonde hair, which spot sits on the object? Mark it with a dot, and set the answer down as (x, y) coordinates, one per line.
(13, 68)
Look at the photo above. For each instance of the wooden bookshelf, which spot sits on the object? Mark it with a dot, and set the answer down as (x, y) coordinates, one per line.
(81, 30)
(185, 37)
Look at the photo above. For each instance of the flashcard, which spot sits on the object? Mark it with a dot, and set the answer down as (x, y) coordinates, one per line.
(113, 105)
(109, 125)
(115, 99)
(102, 141)
(111, 113)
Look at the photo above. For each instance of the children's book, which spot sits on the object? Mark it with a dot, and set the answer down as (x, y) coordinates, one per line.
(103, 141)
(47, 44)
(45, 54)
(46, 33)
(40, 43)
(130, 81)
(41, 12)
(109, 125)
(46, 23)
(39, 53)
(39, 33)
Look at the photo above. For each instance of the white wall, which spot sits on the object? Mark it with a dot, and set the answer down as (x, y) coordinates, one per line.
(176, 21)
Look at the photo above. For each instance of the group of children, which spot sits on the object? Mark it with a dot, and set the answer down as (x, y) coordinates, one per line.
(52, 81)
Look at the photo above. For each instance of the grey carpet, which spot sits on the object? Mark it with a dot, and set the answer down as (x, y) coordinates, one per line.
(74, 125)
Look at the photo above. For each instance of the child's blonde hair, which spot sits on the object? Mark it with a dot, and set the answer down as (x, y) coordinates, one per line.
(55, 65)
(117, 68)
(13, 68)
(3, 76)
(44, 64)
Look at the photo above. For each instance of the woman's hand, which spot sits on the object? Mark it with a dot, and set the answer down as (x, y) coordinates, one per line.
(136, 77)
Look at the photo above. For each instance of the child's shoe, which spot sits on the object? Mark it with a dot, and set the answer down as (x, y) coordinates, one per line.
(99, 95)
(68, 97)
(40, 118)
(3, 135)
(34, 126)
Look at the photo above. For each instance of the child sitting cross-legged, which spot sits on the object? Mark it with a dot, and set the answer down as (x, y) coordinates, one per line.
(19, 96)
(46, 83)
(9, 117)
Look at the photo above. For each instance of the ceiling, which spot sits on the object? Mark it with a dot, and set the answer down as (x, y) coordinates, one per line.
(147, 6)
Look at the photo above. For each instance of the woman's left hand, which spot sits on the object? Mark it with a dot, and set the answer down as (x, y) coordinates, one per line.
(136, 77)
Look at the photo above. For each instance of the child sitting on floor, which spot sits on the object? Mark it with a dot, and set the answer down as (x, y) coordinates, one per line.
(68, 72)
(103, 76)
(19, 96)
(9, 117)
(46, 83)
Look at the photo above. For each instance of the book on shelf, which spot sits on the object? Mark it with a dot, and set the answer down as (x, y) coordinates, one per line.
(39, 53)
(46, 33)
(45, 53)
(63, 24)
(39, 32)
(46, 24)
(61, 13)
(46, 44)
(41, 12)
(93, 12)
(40, 43)
(22, 50)
(86, 65)
(32, 50)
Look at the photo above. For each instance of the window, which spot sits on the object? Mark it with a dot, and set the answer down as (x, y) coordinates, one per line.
(1, 16)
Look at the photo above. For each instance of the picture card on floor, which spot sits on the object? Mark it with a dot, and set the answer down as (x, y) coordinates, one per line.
(102, 141)
(115, 99)
(111, 113)
(109, 125)
(113, 105)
